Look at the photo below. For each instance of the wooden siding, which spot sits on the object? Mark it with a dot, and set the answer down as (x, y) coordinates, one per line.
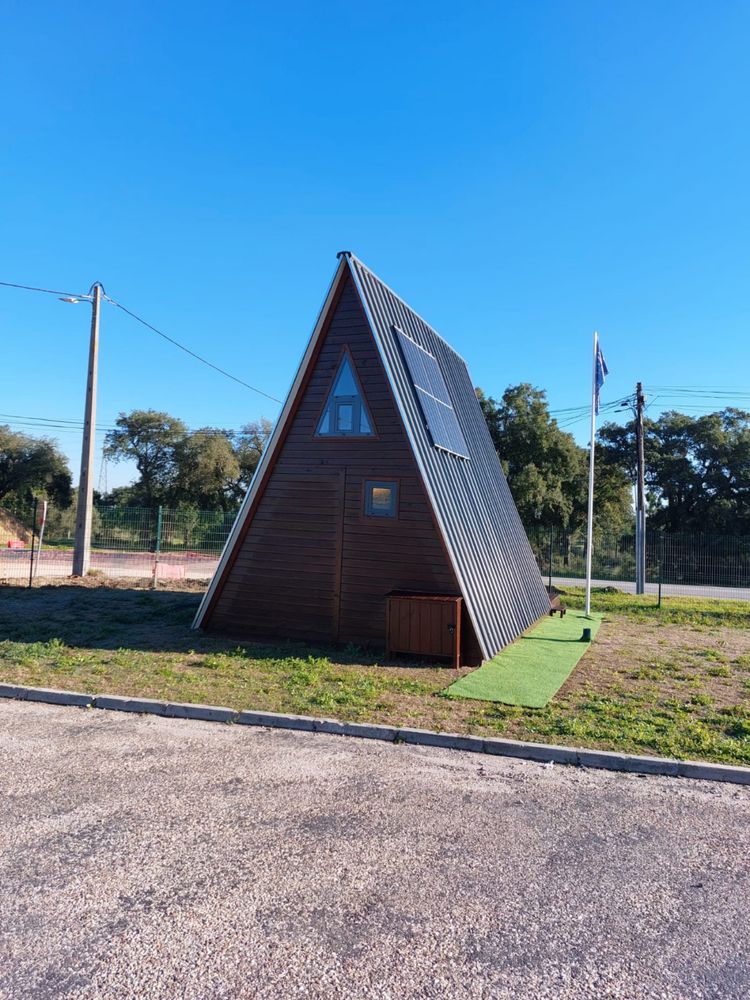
(310, 564)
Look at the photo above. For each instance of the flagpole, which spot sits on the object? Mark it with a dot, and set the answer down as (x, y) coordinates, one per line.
(590, 521)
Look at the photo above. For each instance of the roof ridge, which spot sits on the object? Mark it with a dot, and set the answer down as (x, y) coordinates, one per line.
(353, 257)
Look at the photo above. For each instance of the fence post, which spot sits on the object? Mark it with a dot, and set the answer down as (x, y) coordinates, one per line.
(551, 530)
(661, 559)
(33, 539)
(157, 545)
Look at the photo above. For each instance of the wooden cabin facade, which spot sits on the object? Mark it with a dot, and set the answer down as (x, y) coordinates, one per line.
(341, 514)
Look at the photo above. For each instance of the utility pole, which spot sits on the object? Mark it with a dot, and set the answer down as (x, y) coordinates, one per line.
(82, 550)
(640, 502)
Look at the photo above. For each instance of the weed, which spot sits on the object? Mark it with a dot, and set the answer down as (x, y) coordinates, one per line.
(213, 662)
(712, 654)
(719, 671)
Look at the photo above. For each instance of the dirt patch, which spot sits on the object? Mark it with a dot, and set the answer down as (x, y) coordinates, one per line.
(11, 529)
(98, 581)
(634, 657)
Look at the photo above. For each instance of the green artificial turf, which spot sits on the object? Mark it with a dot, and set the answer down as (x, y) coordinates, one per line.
(533, 668)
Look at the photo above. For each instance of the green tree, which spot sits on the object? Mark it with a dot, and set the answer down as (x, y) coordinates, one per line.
(61, 521)
(547, 471)
(539, 460)
(613, 496)
(208, 470)
(249, 445)
(697, 469)
(154, 441)
(32, 467)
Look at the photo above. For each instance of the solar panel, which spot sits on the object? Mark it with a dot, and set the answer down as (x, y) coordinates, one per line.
(424, 369)
(432, 394)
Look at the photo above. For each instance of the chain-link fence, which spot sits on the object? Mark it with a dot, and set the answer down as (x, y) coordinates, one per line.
(185, 544)
(179, 544)
(687, 564)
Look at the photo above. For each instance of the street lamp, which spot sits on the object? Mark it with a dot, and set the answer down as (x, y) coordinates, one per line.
(84, 512)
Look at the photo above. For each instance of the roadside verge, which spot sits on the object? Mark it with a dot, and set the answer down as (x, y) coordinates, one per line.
(541, 752)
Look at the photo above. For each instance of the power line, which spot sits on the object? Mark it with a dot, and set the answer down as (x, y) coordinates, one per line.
(68, 424)
(701, 388)
(48, 291)
(687, 400)
(701, 400)
(693, 408)
(176, 343)
(44, 424)
(610, 407)
(570, 410)
(192, 354)
(46, 420)
(54, 431)
(684, 394)
(587, 408)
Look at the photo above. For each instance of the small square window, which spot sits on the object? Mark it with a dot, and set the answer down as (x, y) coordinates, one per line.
(381, 499)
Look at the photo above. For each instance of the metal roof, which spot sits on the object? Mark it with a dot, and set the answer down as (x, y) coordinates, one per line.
(491, 555)
(501, 585)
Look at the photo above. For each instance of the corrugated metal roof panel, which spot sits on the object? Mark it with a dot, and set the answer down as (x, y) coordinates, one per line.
(503, 589)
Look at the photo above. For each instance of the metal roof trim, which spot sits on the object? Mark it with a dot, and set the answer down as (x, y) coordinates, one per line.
(405, 304)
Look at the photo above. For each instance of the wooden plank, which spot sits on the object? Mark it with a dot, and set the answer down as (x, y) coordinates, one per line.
(458, 635)
(339, 554)
(403, 623)
(270, 575)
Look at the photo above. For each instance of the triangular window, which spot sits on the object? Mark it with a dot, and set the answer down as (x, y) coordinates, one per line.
(345, 413)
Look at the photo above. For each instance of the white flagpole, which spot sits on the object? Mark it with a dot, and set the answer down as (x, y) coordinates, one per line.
(590, 525)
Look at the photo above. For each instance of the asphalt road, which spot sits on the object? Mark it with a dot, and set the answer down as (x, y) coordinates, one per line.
(151, 858)
(56, 563)
(668, 589)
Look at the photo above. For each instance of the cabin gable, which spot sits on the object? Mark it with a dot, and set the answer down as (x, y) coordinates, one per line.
(338, 520)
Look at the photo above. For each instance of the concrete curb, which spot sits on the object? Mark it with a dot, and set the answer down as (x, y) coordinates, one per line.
(202, 713)
(543, 753)
(115, 703)
(50, 695)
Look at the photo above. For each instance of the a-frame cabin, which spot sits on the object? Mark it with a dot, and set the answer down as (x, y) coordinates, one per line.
(380, 478)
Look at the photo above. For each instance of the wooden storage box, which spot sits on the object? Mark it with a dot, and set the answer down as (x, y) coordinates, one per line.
(424, 624)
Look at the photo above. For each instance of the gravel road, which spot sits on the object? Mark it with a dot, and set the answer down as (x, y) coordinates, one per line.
(152, 858)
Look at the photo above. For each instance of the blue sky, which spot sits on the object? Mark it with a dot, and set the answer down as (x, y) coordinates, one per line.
(521, 173)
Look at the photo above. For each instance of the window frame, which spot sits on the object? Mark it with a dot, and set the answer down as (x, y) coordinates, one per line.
(358, 403)
(389, 484)
(356, 407)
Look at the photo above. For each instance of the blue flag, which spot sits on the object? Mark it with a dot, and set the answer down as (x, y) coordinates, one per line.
(601, 373)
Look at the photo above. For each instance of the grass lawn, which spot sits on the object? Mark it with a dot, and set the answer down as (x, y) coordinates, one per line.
(673, 681)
